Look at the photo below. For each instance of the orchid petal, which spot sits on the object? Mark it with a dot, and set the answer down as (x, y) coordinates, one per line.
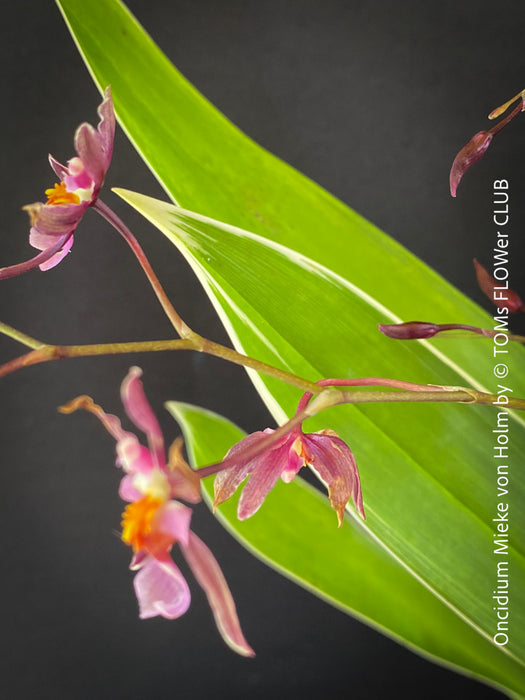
(89, 149)
(161, 589)
(173, 519)
(132, 456)
(138, 560)
(55, 220)
(95, 146)
(333, 460)
(262, 480)
(127, 489)
(139, 411)
(57, 257)
(208, 573)
(295, 464)
(106, 127)
(227, 481)
(60, 170)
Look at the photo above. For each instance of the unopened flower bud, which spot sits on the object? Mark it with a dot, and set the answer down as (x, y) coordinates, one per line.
(412, 330)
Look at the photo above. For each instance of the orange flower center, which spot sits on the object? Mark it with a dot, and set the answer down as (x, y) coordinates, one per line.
(136, 521)
(59, 195)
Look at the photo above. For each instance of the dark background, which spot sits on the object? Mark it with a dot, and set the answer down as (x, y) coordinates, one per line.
(372, 100)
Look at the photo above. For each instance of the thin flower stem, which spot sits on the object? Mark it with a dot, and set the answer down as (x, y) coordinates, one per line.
(180, 326)
(20, 337)
(46, 353)
(485, 332)
(369, 381)
(325, 397)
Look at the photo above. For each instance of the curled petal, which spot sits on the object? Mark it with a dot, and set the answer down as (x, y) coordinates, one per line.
(469, 154)
(503, 298)
(161, 589)
(139, 411)
(333, 460)
(210, 577)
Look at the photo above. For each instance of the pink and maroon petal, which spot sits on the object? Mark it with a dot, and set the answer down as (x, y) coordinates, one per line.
(295, 463)
(228, 480)
(173, 519)
(333, 460)
(208, 573)
(139, 411)
(264, 475)
(161, 589)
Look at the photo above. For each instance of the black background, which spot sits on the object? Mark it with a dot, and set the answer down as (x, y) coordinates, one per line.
(370, 99)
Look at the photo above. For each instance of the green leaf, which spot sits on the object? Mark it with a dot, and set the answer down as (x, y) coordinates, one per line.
(427, 471)
(369, 584)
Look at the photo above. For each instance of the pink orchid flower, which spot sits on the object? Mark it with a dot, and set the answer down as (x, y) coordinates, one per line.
(324, 451)
(153, 521)
(53, 222)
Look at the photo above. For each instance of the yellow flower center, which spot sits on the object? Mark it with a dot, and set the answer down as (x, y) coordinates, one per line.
(136, 521)
(59, 195)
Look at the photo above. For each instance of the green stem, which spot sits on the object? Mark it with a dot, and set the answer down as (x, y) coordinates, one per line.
(20, 337)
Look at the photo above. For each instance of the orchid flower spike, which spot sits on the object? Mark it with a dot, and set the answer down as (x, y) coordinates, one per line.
(478, 144)
(324, 451)
(53, 222)
(153, 521)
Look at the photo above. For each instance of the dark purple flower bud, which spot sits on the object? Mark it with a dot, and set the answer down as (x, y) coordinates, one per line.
(499, 295)
(468, 155)
(412, 330)
(478, 144)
